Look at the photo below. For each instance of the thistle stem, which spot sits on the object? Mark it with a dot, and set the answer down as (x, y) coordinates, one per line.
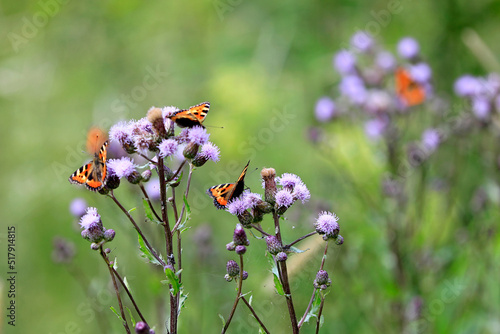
(238, 296)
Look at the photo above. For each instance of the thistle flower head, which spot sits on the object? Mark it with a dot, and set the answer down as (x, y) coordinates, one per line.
(467, 86)
(353, 88)
(209, 151)
(89, 218)
(327, 224)
(273, 245)
(481, 107)
(362, 41)
(123, 167)
(240, 249)
(408, 48)
(421, 72)
(301, 193)
(322, 280)
(344, 62)
(431, 139)
(121, 133)
(375, 128)
(198, 135)
(269, 183)
(155, 117)
(288, 180)
(167, 147)
(281, 257)
(284, 198)
(385, 61)
(240, 236)
(325, 109)
(232, 268)
(252, 199)
(77, 207)
(237, 206)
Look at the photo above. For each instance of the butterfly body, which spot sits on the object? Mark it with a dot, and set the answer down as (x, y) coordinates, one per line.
(193, 116)
(225, 192)
(94, 174)
(407, 89)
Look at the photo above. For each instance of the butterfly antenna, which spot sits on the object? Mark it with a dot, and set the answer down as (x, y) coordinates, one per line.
(214, 127)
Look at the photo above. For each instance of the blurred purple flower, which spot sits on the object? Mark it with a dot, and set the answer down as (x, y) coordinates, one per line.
(325, 109)
(481, 107)
(284, 198)
(353, 87)
(77, 207)
(153, 189)
(123, 167)
(385, 60)
(198, 135)
(375, 128)
(431, 139)
(408, 48)
(467, 86)
(421, 72)
(378, 101)
(362, 41)
(167, 147)
(344, 62)
(120, 132)
(168, 111)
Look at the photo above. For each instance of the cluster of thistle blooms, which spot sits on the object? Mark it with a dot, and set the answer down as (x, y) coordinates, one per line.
(483, 93)
(368, 84)
(280, 193)
(155, 133)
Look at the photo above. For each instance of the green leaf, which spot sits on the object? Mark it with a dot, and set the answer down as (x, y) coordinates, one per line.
(131, 316)
(115, 264)
(148, 212)
(173, 280)
(182, 226)
(223, 320)
(125, 281)
(313, 312)
(182, 300)
(132, 210)
(174, 181)
(145, 253)
(276, 278)
(116, 312)
(296, 250)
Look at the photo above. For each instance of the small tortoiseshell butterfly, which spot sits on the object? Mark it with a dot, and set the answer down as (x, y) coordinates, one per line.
(93, 174)
(409, 91)
(195, 115)
(223, 193)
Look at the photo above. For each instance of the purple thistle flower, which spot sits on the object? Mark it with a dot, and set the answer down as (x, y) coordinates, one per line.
(166, 112)
(167, 147)
(77, 207)
(198, 135)
(385, 60)
(120, 132)
(481, 107)
(143, 142)
(325, 109)
(273, 245)
(354, 88)
(327, 224)
(408, 48)
(288, 180)
(431, 139)
(344, 62)
(90, 218)
(237, 206)
(362, 41)
(284, 198)
(467, 85)
(210, 151)
(421, 72)
(300, 192)
(123, 167)
(375, 128)
(252, 199)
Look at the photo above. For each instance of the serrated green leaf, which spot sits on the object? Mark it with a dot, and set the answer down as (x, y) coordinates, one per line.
(145, 253)
(173, 280)
(182, 300)
(131, 316)
(116, 312)
(279, 287)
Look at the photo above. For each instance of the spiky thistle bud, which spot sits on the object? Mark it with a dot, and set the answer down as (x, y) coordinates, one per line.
(232, 268)
(154, 116)
(322, 280)
(273, 245)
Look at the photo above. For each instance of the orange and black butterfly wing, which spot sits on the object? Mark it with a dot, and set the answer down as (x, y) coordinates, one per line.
(195, 115)
(223, 193)
(407, 89)
(93, 174)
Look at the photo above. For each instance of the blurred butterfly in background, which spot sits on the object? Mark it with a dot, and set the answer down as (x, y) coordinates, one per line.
(195, 115)
(94, 174)
(407, 89)
(223, 193)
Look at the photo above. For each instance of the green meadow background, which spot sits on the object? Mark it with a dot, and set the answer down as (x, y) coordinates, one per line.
(68, 65)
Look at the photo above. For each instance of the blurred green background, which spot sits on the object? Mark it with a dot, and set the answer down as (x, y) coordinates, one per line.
(65, 66)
